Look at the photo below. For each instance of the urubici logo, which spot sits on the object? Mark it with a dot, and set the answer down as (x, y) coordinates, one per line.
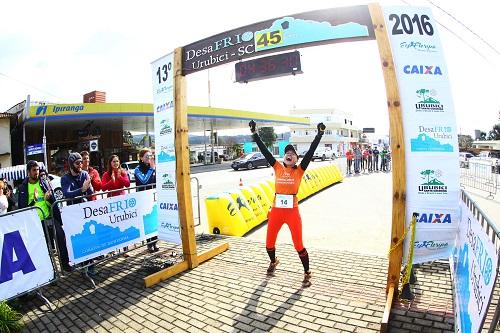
(427, 101)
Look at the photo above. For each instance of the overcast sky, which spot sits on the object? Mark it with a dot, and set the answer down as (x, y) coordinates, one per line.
(58, 50)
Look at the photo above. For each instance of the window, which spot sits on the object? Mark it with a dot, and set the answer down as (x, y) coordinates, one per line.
(328, 132)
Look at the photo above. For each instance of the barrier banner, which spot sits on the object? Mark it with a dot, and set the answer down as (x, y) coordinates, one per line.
(24, 263)
(430, 131)
(164, 119)
(475, 270)
(95, 228)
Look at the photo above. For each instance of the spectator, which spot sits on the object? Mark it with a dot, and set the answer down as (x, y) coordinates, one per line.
(145, 174)
(35, 191)
(365, 159)
(115, 178)
(375, 158)
(7, 190)
(357, 159)
(370, 159)
(349, 156)
(4, 203)
(95, 179)
(383, 156)
(76, 184)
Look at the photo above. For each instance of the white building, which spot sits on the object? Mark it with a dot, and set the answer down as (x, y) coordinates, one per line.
(340, 132)
(5, 153)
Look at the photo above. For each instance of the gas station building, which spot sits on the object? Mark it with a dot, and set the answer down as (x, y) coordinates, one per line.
(106, 128)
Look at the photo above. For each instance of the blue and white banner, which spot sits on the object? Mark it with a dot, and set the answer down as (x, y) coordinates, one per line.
(164, 119)
(34, 149)
(24, 263)
(95, 228)
(475, 270)
(430, 132)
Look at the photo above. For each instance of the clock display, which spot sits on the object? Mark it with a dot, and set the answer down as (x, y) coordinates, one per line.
(267, 67)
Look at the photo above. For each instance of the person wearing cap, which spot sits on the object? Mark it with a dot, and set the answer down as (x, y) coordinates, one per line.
(76, 182)
(285, 208)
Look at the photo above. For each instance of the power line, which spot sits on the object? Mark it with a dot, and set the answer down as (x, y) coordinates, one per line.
(29, 85)
(456, 35)
(466, 27)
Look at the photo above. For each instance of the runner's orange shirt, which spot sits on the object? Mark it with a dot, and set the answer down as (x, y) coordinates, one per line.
(288, 180)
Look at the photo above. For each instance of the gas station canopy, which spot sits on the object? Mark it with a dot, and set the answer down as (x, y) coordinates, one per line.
(138, 117)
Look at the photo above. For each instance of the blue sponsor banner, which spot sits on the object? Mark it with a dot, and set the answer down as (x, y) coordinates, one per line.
(34, 149)
(101, 226)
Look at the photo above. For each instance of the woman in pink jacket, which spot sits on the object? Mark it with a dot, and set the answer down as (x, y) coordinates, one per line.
(115, 178)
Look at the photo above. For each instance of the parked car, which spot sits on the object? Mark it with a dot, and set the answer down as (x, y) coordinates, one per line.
(129, 167)
(463, 158)
(250, 161)
(323, 153)
(301, 155)
(55, 183)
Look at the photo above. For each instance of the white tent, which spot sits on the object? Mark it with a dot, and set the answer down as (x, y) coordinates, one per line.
(16, 172)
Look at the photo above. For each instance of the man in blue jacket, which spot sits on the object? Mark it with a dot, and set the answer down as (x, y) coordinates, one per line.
(35, 190)
(77, 183)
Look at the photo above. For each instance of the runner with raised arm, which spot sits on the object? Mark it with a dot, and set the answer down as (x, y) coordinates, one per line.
(285, 208)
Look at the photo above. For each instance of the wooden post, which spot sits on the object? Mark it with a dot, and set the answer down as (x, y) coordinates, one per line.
(182, 163)
(397, 145)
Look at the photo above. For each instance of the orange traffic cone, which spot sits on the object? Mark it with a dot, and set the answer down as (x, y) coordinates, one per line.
(241, 182)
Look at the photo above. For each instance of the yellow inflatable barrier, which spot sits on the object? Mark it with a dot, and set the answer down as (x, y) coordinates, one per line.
(224, 217)
(272, 184)
(306, 183)
(257, 209)
(267, 190)
(263, 199)
(244, 207)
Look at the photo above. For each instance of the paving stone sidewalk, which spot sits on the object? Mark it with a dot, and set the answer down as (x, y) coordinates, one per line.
(231, 293)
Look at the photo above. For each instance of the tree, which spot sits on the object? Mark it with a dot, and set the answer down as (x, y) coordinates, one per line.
(267, 136)
(482, 136)
(427, 173)
(494, 133)
(464, 142)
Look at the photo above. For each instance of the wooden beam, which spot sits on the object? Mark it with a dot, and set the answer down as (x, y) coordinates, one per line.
(387, 310)
(397, 145)
(182, 163)
(202, 257)
(164, 274)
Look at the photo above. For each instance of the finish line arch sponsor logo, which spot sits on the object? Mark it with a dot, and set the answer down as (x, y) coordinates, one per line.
(167, 182)
(432, 184)
(169, 206)
(431, 245)
(418, 46)
(427, 101)
(433, 217)
(165, 106)
(428, 139)
(422, 70)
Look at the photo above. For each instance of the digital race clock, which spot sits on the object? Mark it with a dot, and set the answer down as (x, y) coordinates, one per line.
(267, 67)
